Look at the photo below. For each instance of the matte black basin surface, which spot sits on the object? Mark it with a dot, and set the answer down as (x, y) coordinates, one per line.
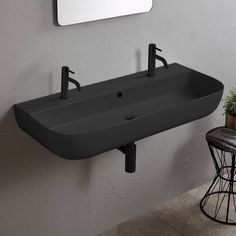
(116, 112)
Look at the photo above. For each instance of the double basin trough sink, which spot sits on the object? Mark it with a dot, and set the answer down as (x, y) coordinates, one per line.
(116, 113)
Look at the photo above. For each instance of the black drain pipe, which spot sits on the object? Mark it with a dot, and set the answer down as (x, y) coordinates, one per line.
(130, 157)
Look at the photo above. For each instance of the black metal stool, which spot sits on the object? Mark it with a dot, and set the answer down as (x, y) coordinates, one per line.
(219, 202)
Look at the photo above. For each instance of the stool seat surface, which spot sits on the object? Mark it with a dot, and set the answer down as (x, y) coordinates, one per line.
(224, 138)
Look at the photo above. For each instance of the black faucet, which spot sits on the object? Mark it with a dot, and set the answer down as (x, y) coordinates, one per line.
(152, 57)
(65, 79)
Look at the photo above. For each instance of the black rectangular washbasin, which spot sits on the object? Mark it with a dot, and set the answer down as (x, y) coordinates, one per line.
(113, 113)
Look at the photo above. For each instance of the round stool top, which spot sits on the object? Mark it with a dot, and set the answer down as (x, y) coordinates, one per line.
(224, 138)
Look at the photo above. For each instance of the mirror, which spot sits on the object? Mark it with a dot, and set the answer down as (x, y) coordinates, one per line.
(78, 11)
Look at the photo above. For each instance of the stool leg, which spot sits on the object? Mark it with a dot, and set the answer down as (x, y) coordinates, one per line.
(213, 157)
(231, 186)
(217, 201)
(206, 196)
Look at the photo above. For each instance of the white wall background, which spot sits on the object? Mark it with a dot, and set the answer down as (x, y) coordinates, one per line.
(43, 195)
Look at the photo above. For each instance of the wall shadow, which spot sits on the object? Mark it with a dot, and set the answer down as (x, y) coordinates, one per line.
(191, 164)
(138, 56)
(24, 159)
(54, 12)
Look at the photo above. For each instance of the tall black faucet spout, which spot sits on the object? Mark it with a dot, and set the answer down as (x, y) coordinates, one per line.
(152, 57)
(65, 79)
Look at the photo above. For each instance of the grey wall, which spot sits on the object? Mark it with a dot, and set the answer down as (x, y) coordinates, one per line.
(43, 195)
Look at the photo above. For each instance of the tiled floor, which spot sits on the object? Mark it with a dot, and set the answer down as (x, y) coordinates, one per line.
(178, 217)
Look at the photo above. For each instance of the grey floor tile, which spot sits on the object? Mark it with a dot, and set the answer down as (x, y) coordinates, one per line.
(147, 225)
(180, 216)
(183, 213)
(200, 191)
(216, 229)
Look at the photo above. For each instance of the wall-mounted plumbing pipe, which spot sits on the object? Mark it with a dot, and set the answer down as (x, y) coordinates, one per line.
(130, 157)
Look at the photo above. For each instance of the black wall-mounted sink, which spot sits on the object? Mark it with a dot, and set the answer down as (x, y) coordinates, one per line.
(116, 112)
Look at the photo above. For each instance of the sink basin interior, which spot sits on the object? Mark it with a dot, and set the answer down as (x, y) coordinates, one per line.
(125, 105)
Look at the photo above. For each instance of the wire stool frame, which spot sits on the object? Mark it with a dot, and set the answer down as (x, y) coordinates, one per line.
(219, 202)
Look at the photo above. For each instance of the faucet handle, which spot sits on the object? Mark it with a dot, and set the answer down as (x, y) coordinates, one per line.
(66, 70)
(158, 49)
(153, 46)
(72, 72)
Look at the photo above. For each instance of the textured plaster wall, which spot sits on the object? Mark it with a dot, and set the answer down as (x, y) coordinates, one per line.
(43, 195)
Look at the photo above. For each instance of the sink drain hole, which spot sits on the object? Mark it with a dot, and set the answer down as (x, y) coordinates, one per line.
(119, 94)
